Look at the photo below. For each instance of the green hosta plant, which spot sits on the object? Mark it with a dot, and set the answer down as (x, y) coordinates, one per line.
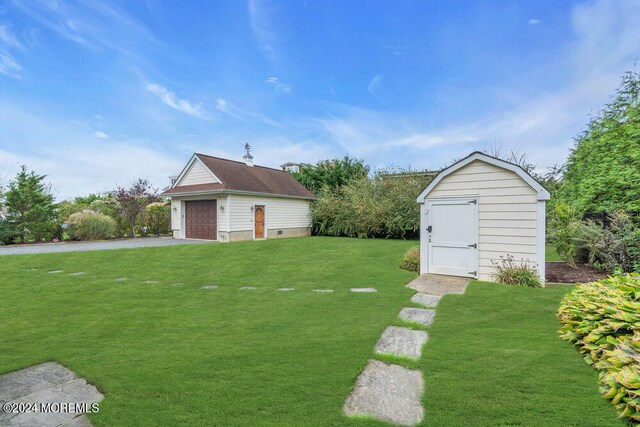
(603, 320)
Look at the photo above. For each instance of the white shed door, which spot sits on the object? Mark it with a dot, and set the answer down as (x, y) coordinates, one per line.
(452, 233)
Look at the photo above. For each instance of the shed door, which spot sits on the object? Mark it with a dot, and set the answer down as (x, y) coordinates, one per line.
(452, 245)
(201, 219)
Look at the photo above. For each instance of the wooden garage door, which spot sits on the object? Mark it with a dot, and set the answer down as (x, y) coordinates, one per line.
(201, 219)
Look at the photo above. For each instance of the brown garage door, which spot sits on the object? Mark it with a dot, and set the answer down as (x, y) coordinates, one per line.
(201, 219)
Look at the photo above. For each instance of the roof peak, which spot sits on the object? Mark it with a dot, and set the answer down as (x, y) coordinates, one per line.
(237, 161)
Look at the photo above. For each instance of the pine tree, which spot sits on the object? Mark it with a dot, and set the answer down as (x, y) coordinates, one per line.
(30, 206)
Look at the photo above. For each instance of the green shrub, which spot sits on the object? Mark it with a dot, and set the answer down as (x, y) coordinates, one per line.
(563, 227)
(511, 272)
(602, 319)
(90, 225)
(8, 233)
(156, 219)
(411, 260)
(615, 249)
(382, 206)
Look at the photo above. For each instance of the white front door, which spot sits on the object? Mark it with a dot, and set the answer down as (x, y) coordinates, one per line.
(452, 236)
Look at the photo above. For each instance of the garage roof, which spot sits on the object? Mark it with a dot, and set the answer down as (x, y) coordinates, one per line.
(543, 193)
(239, 177)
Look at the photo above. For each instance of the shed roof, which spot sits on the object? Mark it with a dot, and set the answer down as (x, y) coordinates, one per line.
(543, 193)
(237, 176)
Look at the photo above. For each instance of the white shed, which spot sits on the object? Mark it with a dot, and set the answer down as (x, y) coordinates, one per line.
(476, 210)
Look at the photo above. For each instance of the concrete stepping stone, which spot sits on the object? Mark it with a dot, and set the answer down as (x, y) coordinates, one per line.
(209, 287)
(248, 288)
(287, 289)
(323, 291)
(387, 392)
(55, 271)
(78, 273)
(402, 342)
(363, 290)
(47, 383)
(121, 279)
(426, 299)
(149, 282)
(424, 316)
(436, 284)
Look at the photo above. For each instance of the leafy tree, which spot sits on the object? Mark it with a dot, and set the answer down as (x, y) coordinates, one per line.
(603, 169)
(156, 219)
(30, 206)
(331, 174)
(563, 226)
(133, 200)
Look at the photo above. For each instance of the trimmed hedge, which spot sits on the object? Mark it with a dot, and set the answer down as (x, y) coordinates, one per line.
(602, 319)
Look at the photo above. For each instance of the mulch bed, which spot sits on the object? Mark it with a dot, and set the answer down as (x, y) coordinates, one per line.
(561, 272)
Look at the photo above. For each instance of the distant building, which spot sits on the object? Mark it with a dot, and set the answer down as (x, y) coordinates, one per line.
(294, 167)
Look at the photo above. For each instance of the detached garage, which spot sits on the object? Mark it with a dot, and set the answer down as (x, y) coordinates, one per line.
(477, 210)
(225, 200)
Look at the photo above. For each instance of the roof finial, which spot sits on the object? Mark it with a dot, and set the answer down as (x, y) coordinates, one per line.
(248, 158)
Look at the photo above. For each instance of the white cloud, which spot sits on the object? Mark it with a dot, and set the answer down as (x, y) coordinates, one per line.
(170, 99)
(90, 23)
(373, 86)
(262, 28)
(101, 135)
(231, 110)
(277, 85)
(9, 66)
(7, 38)
(534, 21)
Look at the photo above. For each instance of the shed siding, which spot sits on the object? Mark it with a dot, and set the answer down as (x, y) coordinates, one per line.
(280, 212)
(507, 211)
(197, 174)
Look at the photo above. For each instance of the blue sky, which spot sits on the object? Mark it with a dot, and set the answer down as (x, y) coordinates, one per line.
(97, 93)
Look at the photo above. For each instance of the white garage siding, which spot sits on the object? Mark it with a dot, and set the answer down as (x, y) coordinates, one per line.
(279, 212)
(507, 211)
(197, 173)
(176, 213)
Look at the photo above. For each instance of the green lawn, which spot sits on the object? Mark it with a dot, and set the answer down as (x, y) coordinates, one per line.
(494, 358)
(167, 355)
(552, 255)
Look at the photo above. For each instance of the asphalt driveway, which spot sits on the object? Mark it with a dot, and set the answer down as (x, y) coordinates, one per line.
(141, 242)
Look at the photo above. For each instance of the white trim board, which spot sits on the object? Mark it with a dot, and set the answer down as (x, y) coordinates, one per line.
(543, 193)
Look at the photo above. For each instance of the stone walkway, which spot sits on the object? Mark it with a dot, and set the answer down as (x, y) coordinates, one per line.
(47, 383)
(391, 392)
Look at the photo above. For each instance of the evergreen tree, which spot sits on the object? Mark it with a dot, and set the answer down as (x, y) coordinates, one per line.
(603, 169)
(30, 206)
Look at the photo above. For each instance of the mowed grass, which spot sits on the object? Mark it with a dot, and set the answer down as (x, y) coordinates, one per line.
(494, 358)
(166, 354)
(552, 255)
